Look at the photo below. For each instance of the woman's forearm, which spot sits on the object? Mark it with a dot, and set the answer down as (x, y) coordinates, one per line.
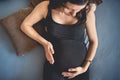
(91, 54)
(37, 14)
(92, 35)
(30, 31)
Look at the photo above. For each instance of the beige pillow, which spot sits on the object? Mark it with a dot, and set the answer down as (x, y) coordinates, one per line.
(11, 24)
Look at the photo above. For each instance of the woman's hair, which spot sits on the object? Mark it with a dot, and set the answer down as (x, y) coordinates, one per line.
(81, 15)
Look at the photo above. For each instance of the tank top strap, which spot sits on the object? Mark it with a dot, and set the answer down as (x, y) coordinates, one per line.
(46, 20)
(48, 14)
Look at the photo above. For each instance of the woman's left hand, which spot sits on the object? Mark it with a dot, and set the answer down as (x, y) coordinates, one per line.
(72, 72)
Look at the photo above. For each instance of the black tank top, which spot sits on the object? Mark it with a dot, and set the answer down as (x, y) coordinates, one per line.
(63, 31)
(68, 43)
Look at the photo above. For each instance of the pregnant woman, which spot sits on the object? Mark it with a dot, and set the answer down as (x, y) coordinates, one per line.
(65, 22)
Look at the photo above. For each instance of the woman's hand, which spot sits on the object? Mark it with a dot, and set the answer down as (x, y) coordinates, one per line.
(49, 51)
(72, 72)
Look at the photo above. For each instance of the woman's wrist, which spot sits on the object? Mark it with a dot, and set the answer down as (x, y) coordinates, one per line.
(88, 60)
(44, 43)
(86, 64)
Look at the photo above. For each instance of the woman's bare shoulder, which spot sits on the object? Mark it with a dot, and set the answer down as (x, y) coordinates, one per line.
(91, 14)
(43, 3)
(42, 7)
(38, 13)
(91, 7)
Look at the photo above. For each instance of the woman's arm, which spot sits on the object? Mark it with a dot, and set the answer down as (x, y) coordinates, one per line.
(38, 13)
(92, 35)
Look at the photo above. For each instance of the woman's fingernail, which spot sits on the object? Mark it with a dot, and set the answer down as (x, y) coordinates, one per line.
(52, 62)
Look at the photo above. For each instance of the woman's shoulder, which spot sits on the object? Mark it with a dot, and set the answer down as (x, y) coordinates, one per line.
(43, 3)
(42, 7)
(91, 7)
(91, 12)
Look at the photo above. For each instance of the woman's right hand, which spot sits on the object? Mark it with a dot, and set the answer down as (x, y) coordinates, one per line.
(49, 51)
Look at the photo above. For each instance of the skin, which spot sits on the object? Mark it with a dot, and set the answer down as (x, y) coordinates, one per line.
(60, 15)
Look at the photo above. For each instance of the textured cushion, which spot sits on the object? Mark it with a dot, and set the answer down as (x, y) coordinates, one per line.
(11, 23)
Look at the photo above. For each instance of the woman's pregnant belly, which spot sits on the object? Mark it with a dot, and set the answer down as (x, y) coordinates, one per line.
(68, 54)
